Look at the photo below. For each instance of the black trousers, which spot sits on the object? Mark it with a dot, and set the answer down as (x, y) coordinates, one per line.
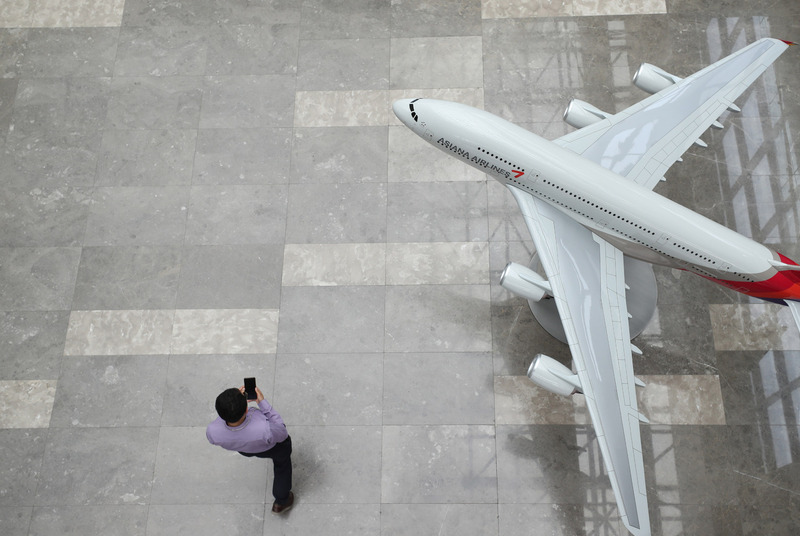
(281, 455)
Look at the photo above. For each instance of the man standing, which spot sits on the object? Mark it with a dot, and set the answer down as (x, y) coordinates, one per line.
(258, 432)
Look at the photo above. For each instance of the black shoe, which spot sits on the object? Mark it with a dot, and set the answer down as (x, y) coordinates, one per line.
(280, 508)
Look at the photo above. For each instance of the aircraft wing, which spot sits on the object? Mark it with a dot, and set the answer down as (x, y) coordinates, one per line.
(643, 141)
(588, 285)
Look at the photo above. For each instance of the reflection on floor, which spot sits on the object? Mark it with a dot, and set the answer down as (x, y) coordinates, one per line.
(197, 192)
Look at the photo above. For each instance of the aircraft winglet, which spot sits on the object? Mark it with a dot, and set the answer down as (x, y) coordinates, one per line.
(787, 42)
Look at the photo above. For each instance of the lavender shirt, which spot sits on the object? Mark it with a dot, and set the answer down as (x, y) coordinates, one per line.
(261, 430)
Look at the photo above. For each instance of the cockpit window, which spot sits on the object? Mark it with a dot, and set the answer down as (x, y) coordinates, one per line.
(413, 113)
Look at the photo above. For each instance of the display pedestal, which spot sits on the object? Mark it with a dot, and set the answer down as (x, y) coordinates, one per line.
(641, 298)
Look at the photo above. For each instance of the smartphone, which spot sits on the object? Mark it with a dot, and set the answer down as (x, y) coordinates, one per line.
(250, 388)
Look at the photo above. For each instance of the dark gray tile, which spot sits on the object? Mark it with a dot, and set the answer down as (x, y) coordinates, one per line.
(193, 383)
(113, 520)
(242, 156)
(138, 216)
(69, 52)
(161, 51)
(237, 215)
(206, 519)
(340, 19)
(146, 157)
(35, 343)
(231, 277)
(438, 318)
(435, 18)
(37, 279)
(50, 158)
(8, 93)
(239, 101)
(321, 320)
(15, 520)
(20, 471)
(344, 154)
(12, 50)
(131, 277)
(61, 103)
(142, 102)
(98, 466)
(44, 216)
(336, 213)
(437, 212)
(343, 64)
(252, 50)
(136, 384)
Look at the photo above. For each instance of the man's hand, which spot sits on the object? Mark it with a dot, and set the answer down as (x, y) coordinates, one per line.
(259, 395)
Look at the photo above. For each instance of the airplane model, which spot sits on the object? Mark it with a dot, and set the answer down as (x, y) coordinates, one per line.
(587, 201)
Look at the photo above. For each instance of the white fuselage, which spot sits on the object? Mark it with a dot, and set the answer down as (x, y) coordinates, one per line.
(639, 222)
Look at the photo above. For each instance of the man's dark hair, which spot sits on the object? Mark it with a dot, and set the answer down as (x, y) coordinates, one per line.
(231, 405)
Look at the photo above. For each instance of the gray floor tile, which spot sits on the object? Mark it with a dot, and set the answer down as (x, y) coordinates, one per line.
(98, 466)
(130, 277)
(69, 52)
(129, 520)
(343, 154)
(321, 320)
(440, 18)
(61, 103)
(150, 102)
(357, 19)
(252, 50)
(20, 473)
(451, 388)
(347, 389)
(37, 338)
(37, 279)
(242, 156)
(44, 216)
(146, 157)
(446, 519)
(15, 520)
(161, 51)
(110, 391)
(206, 519)
(238, 101)
(337, 464)
(416, 469)
(341, 64)
(193, 383)
(231, 277)
(334, 519)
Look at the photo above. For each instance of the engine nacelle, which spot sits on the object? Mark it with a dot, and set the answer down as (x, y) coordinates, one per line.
(653, 79)
(524, 282)
(580, 114)
(549, 374)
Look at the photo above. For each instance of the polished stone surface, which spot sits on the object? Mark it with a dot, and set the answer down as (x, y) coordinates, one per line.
(195, 192)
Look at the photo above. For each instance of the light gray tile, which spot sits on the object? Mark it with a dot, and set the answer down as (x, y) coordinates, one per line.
(20, 471)
(334, 264)
(119, 332)
(438, 318)
(135, 384)
(337, 464)
(365, 108)
(752, 327)
(224, 331)
(333, 390)
(37, 279)
(451, 388)
(96, 466)
(439, 464)
(194, 381)
(331, 320)
(216, 476)
(87, 13)
(113, 520)
(26, 403)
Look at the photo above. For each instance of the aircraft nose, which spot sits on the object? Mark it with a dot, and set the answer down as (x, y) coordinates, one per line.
(402, 109)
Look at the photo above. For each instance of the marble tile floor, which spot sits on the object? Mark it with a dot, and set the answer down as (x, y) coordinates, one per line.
(196, 192)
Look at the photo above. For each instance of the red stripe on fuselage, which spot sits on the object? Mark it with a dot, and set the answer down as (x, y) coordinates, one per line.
(785, 285)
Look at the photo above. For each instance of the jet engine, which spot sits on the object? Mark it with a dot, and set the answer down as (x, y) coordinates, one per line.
(653, 79)
(549, 374)
(580, 114)
(524, 282)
